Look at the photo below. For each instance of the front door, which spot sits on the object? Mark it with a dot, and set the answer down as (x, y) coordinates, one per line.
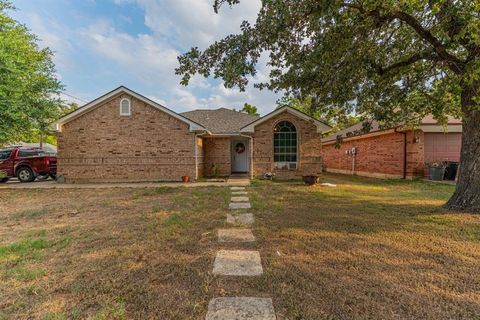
(240, 156)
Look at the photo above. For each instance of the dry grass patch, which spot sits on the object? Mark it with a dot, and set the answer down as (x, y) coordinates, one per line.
(108, 254)
(368, 249)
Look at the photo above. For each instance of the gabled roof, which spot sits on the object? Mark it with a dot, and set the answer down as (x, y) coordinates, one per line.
(97, 102)
(220, 121)
(321, 127)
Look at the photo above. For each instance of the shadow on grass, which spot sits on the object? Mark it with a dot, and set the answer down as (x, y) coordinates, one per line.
(367, 249)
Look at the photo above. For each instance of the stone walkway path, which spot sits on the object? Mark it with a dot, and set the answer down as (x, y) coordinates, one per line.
(239, 263)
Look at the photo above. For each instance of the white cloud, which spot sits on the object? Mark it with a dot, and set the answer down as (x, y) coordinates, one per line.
(52, 36)
(193, 22)
(147, 60)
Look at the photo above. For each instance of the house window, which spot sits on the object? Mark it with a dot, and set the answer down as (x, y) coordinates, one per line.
(285, 145)
(125, 107)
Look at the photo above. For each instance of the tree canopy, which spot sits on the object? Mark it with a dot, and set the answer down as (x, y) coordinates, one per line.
(250, 109)
(28, 85)
(393, 60)
(377, 55)
(331, 115)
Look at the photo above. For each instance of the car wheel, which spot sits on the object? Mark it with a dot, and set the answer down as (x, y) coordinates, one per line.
(25, 174)
(53, 176)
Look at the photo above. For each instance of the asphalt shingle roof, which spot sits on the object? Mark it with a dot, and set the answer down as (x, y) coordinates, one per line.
(356, 130)
(221, 120)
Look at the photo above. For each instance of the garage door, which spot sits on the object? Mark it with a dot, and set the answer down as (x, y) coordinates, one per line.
(442, 147)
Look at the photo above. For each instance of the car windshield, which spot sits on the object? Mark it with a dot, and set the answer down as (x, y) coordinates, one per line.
(5, 154)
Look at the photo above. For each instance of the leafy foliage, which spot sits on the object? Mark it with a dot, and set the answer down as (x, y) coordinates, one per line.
(333, 116)
(250, 109)
(394, 60)
(27, 81)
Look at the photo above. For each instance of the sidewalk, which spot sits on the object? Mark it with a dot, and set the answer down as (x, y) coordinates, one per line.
(54, 185)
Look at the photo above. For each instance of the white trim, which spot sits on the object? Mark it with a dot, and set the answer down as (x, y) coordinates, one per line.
(95, 103)
(451, 128)
(195, 140)
(129, 113)
(321, 127)
(279, 164)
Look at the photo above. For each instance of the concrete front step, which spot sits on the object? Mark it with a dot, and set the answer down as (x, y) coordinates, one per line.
(239, 205)
(235, 235)
(240, 218)
(239, 193)
(240, 308)
(237, 188)
(237, 263)
(240, 199)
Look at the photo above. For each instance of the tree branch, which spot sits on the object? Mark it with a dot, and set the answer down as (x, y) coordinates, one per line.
(455, 64)
(425, 55)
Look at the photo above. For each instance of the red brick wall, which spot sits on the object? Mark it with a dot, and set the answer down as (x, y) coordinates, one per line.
(218, 154)
(149, 145)
(415, 154)
(309, 148)
(379, 156)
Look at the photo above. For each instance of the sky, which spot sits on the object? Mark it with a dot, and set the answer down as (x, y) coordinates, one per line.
(102, 44)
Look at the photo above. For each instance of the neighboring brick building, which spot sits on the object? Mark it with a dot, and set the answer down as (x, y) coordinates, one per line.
(124, 136)
(392, 153)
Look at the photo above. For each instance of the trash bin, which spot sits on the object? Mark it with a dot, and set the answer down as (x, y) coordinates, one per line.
(436, 173)
(451, 171)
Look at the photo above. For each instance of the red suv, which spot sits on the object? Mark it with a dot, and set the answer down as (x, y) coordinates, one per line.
(27, 164)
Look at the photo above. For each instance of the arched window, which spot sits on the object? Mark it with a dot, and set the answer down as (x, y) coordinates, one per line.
(285, 144)
(125, 107)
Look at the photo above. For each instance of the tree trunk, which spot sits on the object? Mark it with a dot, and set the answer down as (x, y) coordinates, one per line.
(467, 193)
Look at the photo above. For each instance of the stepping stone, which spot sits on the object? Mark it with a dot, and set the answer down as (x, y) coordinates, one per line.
(240, 199)
(240, 308)
(241, 218)
(237, 263)
(239, 205)
(237, 188)
(235, 235)
(239, 193)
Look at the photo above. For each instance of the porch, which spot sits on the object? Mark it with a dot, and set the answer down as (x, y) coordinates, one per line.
(225, 157)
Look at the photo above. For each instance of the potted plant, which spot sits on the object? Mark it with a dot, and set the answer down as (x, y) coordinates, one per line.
(310, 180)
(436, 170)
(268, 175)
(185, 178)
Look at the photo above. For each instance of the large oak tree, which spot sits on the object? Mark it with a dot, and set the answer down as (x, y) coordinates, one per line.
(395, 60)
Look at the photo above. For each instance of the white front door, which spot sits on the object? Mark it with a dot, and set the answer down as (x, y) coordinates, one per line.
(240, 156)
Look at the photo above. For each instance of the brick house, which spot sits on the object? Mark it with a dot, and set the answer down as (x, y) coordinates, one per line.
(124, 136)
(392, 153)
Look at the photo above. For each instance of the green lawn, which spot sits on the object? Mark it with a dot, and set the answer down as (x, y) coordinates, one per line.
(367, 249)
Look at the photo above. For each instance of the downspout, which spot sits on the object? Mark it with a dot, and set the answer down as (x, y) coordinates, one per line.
(353, 160)
(196, 135)
(196, 155)
(404, 155)
(404, 152)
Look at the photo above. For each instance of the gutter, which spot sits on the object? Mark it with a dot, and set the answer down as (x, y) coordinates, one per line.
(405, 162)
(405, 155)
(223, 135)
